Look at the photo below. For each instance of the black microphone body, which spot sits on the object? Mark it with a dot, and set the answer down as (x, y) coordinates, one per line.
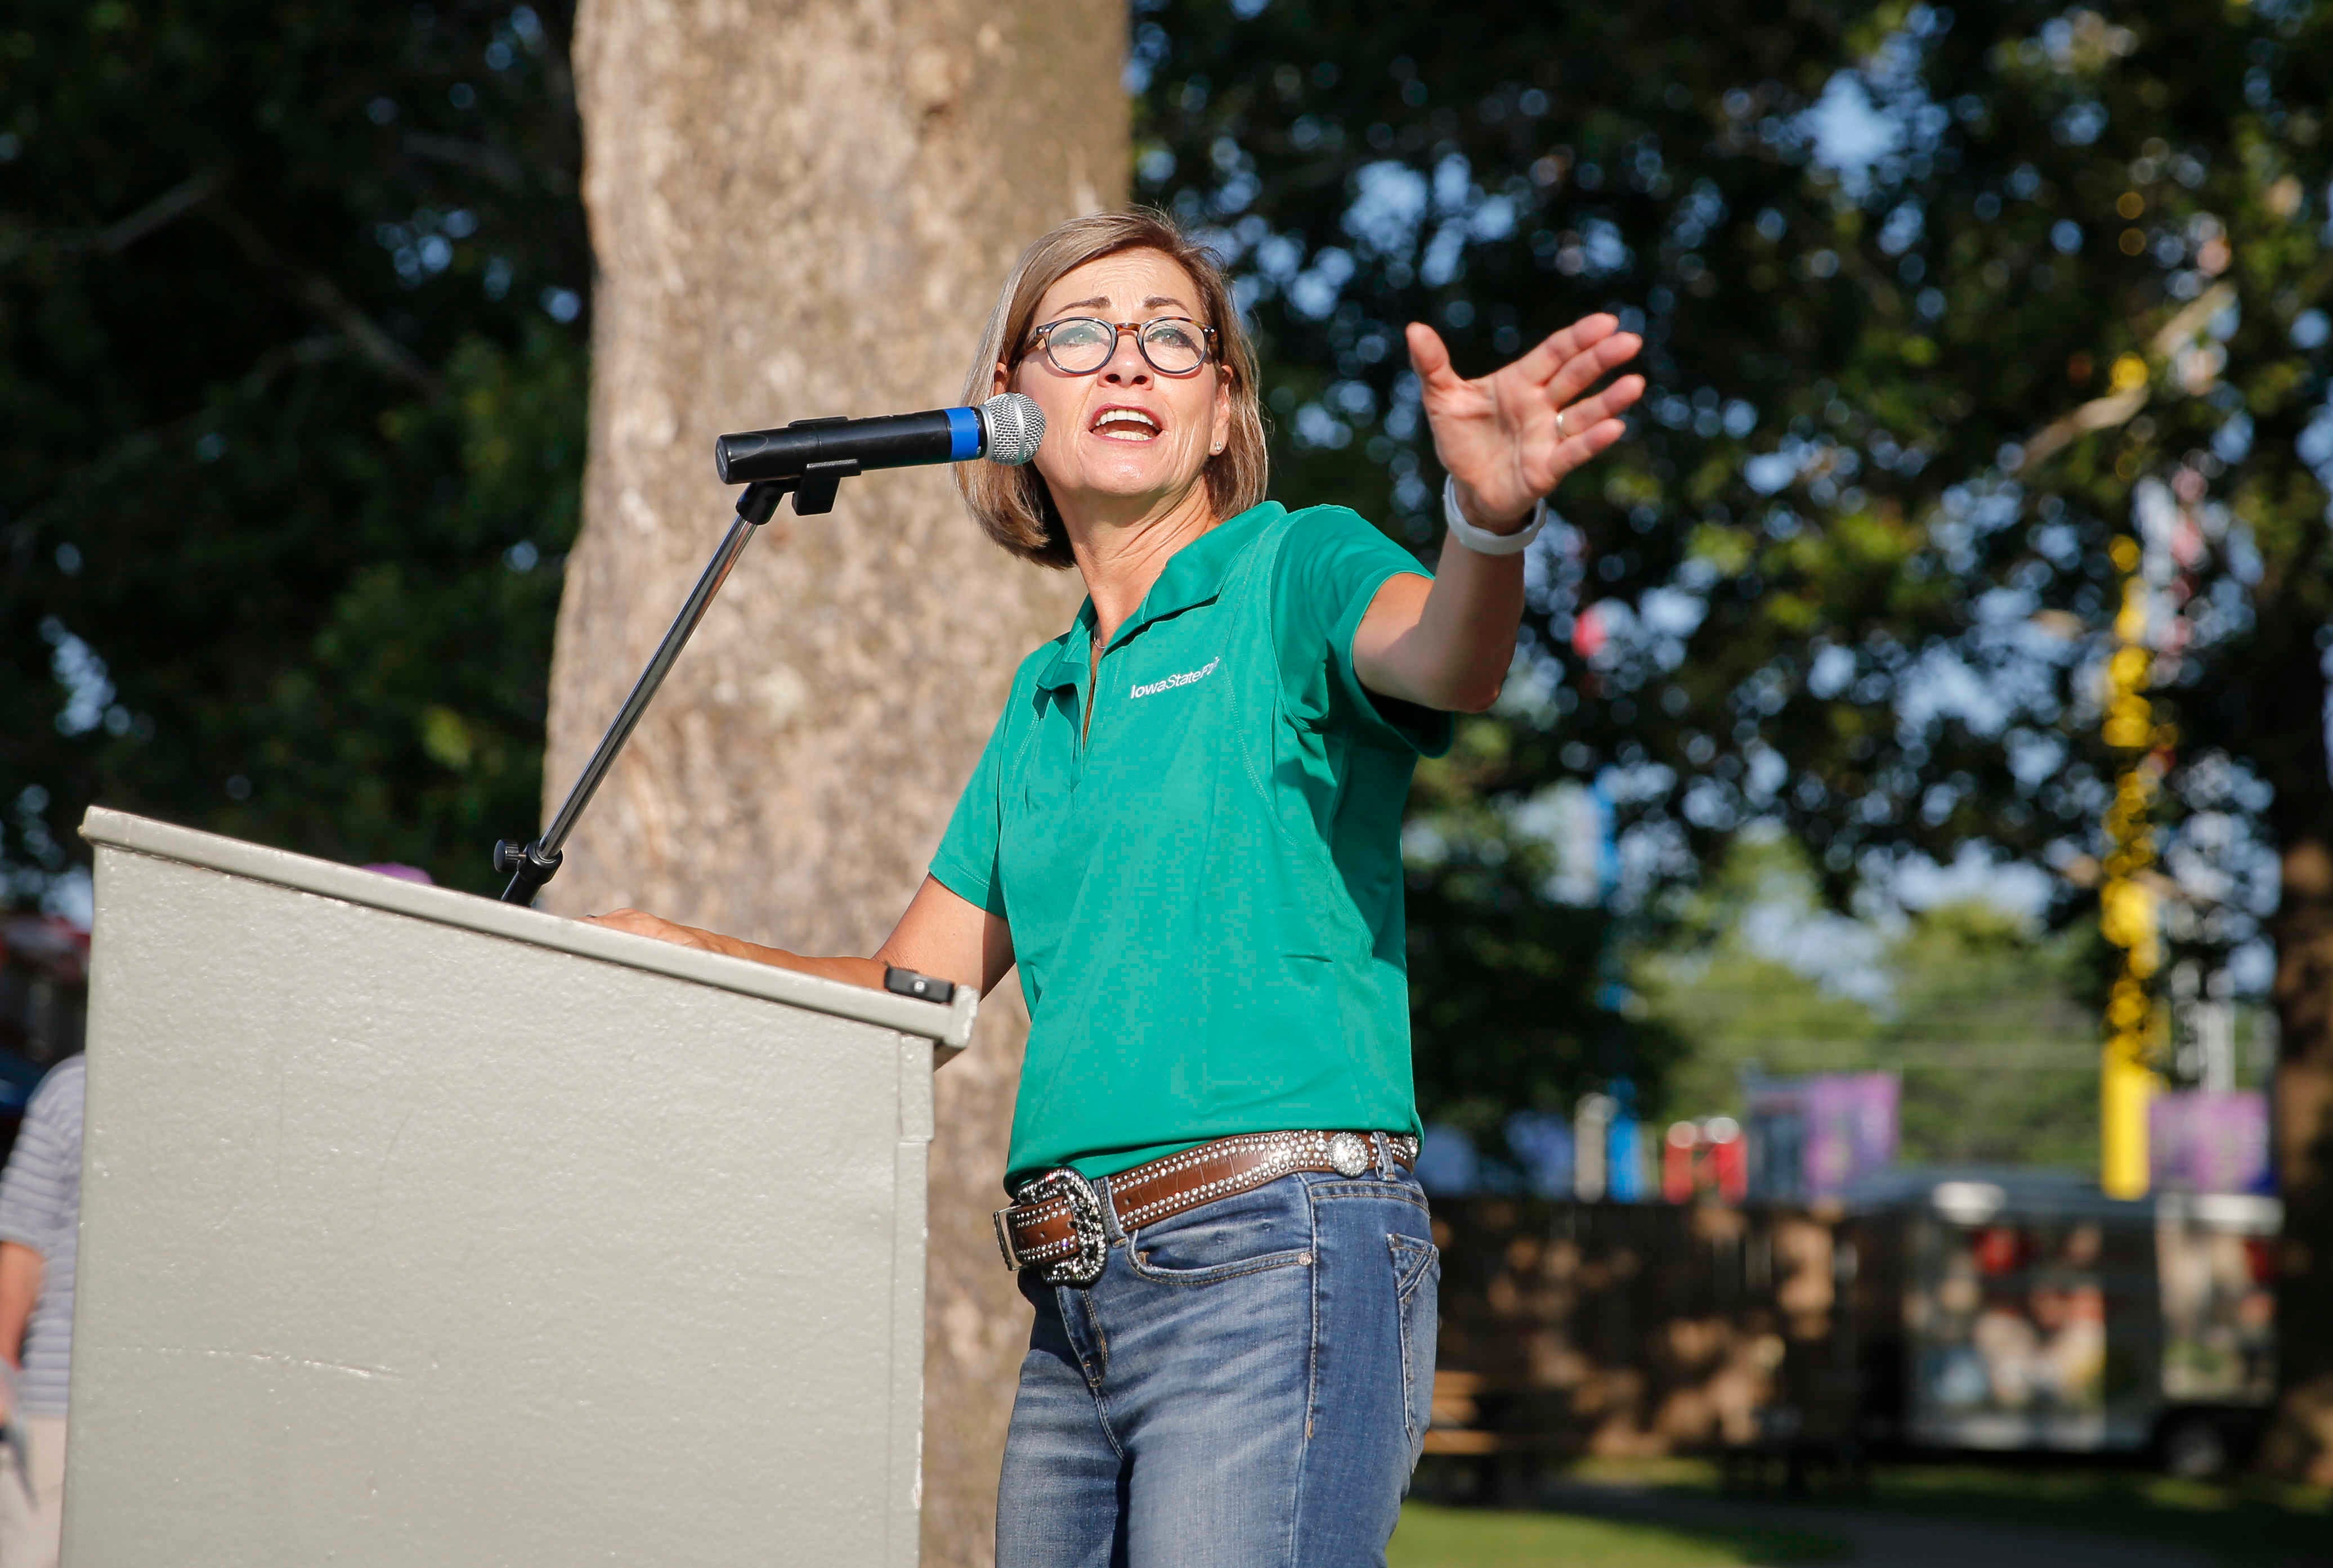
(889, 441)
(1004, 429)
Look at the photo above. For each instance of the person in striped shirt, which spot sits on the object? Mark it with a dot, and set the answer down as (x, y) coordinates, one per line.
(40, 1214)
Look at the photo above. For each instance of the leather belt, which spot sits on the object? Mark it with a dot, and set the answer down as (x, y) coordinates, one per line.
(1058, 1226)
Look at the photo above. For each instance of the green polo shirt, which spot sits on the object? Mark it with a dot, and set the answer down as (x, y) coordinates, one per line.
(1205, 886)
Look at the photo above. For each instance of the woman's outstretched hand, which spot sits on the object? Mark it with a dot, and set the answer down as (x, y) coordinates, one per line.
(1499, 438)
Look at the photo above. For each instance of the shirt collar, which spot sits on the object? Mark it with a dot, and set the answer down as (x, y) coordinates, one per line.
(1072, 655)
(1193, 575)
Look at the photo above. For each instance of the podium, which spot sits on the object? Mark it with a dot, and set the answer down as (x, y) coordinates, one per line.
(424, 1230)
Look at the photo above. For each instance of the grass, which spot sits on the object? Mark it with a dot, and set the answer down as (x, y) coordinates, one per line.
(2241, 1521)
(1438, 1537)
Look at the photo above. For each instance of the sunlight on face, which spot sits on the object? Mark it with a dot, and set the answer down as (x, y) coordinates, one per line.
(1127, 432)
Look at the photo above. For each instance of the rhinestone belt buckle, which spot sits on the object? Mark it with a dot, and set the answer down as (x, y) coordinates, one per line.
(1084, 1265)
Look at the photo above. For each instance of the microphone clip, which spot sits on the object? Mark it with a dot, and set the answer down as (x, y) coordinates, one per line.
(814, 491)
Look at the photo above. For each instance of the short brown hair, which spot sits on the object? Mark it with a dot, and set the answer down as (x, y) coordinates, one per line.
(1013, 504)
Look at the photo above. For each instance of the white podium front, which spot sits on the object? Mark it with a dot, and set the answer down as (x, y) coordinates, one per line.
(424, 1230)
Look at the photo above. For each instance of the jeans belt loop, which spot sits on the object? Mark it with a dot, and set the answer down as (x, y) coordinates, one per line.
(1385, 1155)
(1111, 1235)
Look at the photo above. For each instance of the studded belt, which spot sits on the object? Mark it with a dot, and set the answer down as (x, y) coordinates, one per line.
(1058, 1226)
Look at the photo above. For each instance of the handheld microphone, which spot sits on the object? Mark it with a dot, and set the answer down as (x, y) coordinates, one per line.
(1004, 429)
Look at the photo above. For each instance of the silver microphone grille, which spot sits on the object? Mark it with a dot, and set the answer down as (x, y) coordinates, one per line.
(1013, 424)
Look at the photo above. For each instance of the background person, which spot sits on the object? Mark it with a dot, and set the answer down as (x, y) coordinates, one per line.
(1185, 830)
(40, 1220)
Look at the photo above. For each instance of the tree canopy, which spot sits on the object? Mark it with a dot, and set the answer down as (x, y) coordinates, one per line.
(1990, 1026)
(1937, 303)
(292, 378)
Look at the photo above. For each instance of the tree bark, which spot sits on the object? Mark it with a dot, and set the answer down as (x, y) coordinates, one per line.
(2291, 695)
(2301, 1442)
(798, 210)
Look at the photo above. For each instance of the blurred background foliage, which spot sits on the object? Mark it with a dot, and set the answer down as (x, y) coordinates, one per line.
(1936, 302)
(1991, 1023)
(292, 374)
(295, 306)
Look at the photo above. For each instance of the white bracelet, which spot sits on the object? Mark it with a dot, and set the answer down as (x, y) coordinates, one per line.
(1481, 540)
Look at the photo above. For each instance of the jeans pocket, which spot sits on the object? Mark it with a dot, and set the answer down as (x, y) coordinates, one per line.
(1417, 1278)
(1245, 1234)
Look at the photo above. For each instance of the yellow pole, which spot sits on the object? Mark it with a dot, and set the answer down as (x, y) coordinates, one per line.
(2126, 903)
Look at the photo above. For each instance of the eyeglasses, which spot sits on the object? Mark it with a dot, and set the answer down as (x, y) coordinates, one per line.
(1080, 345)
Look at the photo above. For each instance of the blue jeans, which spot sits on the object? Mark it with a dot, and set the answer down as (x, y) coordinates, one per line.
(1246, 1385)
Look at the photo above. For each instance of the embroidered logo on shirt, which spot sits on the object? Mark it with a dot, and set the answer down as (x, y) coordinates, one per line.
(1172, 681)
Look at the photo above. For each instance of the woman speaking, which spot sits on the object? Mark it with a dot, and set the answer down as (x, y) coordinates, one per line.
(1185, 831)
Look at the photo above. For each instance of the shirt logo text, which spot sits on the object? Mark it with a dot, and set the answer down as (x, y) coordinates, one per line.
(1172, 681)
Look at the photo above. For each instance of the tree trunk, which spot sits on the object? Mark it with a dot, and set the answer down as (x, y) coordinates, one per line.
(801, 210)
(2301, 1440)
(2290, 694)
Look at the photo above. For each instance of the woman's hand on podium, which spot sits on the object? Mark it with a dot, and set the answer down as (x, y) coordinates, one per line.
(640, 923)
(867, 972)
(941, 934)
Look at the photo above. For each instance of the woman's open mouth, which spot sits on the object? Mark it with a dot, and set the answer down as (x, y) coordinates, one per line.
(1124, 423)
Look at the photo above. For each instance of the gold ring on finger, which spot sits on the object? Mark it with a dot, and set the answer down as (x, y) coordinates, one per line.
(1558, 425)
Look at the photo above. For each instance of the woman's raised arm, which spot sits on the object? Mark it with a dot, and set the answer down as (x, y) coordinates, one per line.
(1506, 440)
(940, 935)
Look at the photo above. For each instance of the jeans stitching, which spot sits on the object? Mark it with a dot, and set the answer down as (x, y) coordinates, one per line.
(1311, 1397)
(1406, 1279)
(1093, 1322)
(1093, 1383)
(1216, 1274)
(1406, 1284)
(1101, 1414)
(1367, 1189)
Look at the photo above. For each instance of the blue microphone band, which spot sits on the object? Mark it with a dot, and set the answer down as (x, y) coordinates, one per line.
(965, 434)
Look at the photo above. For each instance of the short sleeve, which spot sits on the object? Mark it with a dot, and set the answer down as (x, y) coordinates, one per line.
(965, 861)
(1331, 563)
(38, 1195)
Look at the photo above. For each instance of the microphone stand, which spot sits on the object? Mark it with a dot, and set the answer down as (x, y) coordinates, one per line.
(530, 866)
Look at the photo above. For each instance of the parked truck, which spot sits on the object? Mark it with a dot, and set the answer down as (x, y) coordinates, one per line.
(1992, 1310)
(2026, 1311)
